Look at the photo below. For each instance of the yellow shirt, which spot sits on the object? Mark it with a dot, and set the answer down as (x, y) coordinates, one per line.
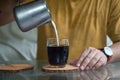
(84, 22)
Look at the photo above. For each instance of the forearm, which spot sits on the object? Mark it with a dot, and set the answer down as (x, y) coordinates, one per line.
(116, 51)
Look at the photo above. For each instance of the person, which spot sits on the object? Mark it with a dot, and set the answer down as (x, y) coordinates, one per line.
(86, 23)
(15, 44)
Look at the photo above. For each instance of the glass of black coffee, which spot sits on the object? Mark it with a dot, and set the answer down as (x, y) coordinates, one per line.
(57, 52)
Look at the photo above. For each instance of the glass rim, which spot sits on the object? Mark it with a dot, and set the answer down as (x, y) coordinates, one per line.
(64, 40)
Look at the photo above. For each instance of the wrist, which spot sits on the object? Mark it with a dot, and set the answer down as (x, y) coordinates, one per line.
(108, 53)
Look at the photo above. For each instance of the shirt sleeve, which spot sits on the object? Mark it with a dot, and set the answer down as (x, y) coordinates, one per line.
(113, 27)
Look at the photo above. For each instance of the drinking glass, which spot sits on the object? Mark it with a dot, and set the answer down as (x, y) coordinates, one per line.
(57, 53)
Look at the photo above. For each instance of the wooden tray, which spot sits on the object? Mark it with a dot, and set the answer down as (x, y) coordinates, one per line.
(67, 68)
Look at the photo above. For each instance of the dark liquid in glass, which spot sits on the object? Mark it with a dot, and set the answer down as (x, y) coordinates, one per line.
(58, 55)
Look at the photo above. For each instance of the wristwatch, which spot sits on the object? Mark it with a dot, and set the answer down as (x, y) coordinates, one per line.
(108, 52)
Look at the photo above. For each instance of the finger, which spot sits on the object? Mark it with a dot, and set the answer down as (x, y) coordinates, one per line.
(82, 57)
(87, 60)
(99, 63)
(74, 62)
(94, 60)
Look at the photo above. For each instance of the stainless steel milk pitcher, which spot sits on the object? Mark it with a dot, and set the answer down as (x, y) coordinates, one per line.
(32, 15)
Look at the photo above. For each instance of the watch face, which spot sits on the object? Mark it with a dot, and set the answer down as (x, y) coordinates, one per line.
(108, 51)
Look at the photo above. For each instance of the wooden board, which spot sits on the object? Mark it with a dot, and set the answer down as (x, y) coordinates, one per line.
(67, 68)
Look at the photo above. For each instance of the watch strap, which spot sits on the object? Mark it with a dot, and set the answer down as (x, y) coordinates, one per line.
(108, 57)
